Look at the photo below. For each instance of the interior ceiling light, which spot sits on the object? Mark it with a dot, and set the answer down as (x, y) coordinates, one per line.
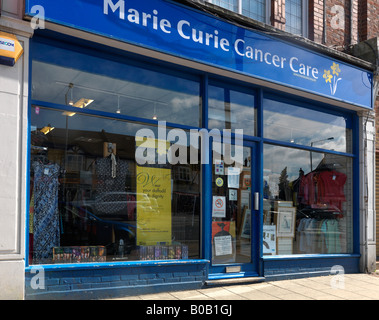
(82, 103)
(155, 117)
(70, 89)
(118, 105)
(47, 129)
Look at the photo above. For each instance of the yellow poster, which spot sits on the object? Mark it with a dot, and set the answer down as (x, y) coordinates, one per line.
(153, 206)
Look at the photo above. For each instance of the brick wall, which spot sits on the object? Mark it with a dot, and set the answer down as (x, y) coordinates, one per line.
(372, 18)
(316, 20)
(364, 15)
(278, 16)
(338, 15)
(377, 202)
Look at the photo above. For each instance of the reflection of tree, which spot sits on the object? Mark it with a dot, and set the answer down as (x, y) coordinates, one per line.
(284, 188)
(266, 190)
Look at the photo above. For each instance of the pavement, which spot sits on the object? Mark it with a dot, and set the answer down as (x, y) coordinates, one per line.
(339, 287)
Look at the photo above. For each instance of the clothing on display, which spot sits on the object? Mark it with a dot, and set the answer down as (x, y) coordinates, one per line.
(322, 187)
(321, 210)
(44, 223)
(111, 179)
(320, 236)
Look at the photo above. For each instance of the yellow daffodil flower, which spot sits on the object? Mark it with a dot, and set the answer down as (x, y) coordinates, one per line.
(327, 76)
(336, 68)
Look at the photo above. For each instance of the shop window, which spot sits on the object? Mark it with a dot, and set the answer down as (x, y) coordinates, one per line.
(91, 201)
(129, 88)
(294, 124)
(306, 211)
(231, 109)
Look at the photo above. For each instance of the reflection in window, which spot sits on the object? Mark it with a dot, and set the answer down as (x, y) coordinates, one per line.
(115, 87)
(231, 210)
(306, 211)
(91, 202)
(230, 109)
(290, 123)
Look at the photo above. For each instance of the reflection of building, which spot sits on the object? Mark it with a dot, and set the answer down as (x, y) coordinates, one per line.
(100, 75)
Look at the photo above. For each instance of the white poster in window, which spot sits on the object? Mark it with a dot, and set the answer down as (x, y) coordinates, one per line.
(269, 239)
(218, 207)
(223, 245)
(233, 177)
(233, 195)
(245, 198)
(219, 167)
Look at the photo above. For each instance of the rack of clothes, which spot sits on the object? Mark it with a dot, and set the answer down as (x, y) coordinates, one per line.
(320, 231)
(320, 224)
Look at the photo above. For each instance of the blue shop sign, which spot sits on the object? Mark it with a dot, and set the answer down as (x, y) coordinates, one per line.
(174, 29)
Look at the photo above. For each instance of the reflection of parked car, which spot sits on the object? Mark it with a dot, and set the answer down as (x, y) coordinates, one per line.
(110, 219)
(105, 232)
(120, 205)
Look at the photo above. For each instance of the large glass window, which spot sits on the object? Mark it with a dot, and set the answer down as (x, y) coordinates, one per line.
(85, 81)
(91, 201)
(306, 211)
(291, 123)
(231, 109)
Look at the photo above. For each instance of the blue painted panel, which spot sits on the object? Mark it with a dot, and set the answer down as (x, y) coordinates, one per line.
(105, 281)
(305, 266)
(167, 27)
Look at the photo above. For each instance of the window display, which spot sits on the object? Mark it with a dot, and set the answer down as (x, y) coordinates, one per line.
(286, 121)
(91, 202)
(311, 209)
(122, 86)
(232, 109)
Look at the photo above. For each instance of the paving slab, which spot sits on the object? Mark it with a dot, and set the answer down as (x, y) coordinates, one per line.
(350, 287)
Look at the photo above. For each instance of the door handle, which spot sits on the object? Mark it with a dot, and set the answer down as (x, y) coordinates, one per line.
(256, 201)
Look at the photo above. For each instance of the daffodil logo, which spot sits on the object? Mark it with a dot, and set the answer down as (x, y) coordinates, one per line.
(332, 78)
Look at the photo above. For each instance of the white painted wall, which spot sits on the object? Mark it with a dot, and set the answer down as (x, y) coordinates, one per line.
(13, 142)
(367, 195)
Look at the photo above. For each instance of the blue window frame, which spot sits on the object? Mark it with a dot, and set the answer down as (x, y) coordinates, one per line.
(99, 211)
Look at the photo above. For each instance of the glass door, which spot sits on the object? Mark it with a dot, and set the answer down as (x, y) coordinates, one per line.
(234, 214)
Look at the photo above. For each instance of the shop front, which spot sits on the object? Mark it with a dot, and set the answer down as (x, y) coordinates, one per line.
(169, 149)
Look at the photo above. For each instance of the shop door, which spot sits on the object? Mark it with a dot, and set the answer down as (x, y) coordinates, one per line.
(235, 212)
